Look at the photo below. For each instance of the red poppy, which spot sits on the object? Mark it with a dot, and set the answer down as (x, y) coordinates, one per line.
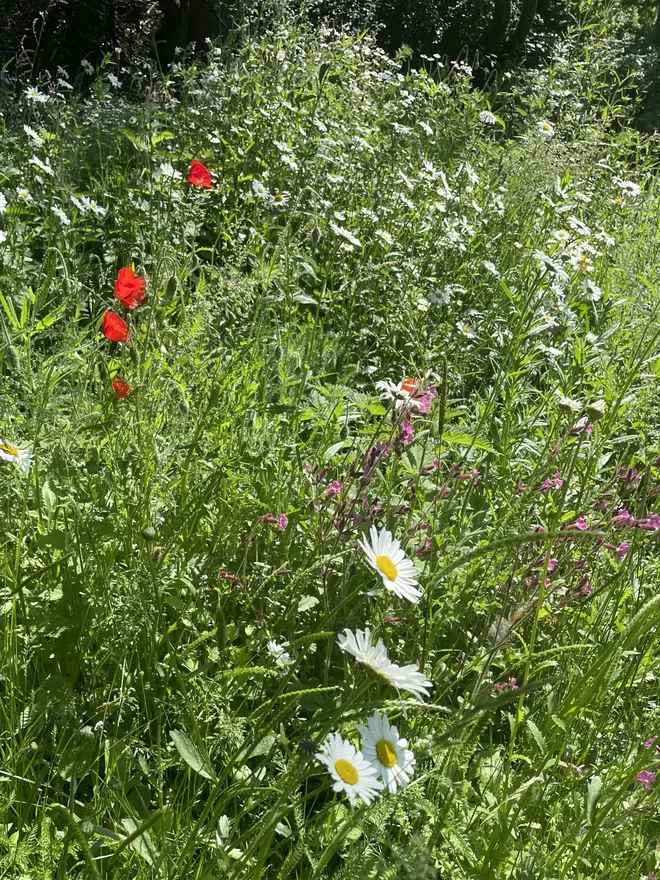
(200, 175)
(129, 288)
(408, 386)
(115, 328)
(120, 387)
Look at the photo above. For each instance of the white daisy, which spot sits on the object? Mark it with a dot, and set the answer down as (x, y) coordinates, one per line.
(382, 747)
(279, 200)
(3, 203)
(3, 236)
(289, 160)
(487, 117)
(349, 769)
(397, 571)
(277, 652)
(544, 129)
(20, 457)
(401, 392)
(33, 94)
(34, 135)
(465, 329)
(87, 67)
(45, 166)
(260, 190)
(65, 84)
(166, 169)
(114, 81)
(374, 657)
(61, 216)
(346, 234)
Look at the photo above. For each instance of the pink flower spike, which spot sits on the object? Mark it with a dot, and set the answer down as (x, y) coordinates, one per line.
(475, 474)
(621, 550)
(499, 687)
(558, 479)
(282, 521)
(513, 684)
(580, 524)
(552, 564)
(650, 742)
(646, 778)
(548, 484)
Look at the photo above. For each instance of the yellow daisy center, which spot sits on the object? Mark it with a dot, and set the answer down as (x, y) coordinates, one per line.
(386, 753)
(346, 771)
(385, 566)
(9, 449)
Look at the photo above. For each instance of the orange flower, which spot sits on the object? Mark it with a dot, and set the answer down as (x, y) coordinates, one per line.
(129, 288)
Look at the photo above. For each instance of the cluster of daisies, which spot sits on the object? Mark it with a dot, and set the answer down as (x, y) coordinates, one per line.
(385, 762)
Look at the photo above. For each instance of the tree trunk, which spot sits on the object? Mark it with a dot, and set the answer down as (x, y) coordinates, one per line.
(495, 35)
(657, 25)
(524, 26)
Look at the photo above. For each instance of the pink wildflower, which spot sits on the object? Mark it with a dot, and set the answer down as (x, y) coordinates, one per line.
(334, 488)
(621, 550)
(282, 521)
(559, 481)
(650, 742)
(623, 519)
(407, 432)
(499, 687)
(580, 524)
(646, 778)
(552, 564)
(520, 486)
(513, 684)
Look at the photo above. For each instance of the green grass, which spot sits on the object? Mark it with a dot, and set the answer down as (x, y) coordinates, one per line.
(145, 729)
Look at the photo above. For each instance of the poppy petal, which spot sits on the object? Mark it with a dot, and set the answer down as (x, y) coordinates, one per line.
(115, 328)
(120, 387)
(129, 288)
(199, 175)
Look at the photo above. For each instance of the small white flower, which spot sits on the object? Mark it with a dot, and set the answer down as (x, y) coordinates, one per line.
(20, 457)
(491, 267)
(401, 393)
(426, 128)
(387, 752)
(487, 117)
(346, 234)
(87, 67)
(3, 203)
(167, 170)
(397, 571)
(45, 166)
(465, 330)
(61, 216)
(114, 81)
(24, 194)
(289, 160)
(351, 772)
(33, 94)
(279, 200)
(277, 652)
(401, 129)
(374, 657)
(544, 129)
(260, 190)
(35, 136)
(85, 205)
(629, 187)
(333, 177)
(3, 236)
(384, 236)
(562, 236)
(592, 291)
(65, 84)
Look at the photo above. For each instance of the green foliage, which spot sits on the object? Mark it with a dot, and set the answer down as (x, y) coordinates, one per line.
(170, 665)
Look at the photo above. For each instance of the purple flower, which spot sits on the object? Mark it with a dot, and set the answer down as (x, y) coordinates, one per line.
(407, 432)
(548, 484)
(646, 778)
(650, 742)
(513, 684)
(621, 550)
(580, 524)
(499, 687)
(622, 519)
(282, 521)
(334, 488)
(559, 480)
(552, 564)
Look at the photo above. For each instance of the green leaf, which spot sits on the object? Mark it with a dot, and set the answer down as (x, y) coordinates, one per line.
(538, 736)
(334, 449)
(49, 498)
(142, 842)
(462, 438)
(591, 800)
(191, 754)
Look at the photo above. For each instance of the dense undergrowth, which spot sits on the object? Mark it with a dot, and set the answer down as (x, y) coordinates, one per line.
(179, 561)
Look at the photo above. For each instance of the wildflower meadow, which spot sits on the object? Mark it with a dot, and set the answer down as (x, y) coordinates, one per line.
(330, 467)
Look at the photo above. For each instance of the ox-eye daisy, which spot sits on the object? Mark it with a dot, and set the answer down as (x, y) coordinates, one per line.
(20, 457)
(382, 747)
(374, 656)
(350, 770)
(397, 571)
